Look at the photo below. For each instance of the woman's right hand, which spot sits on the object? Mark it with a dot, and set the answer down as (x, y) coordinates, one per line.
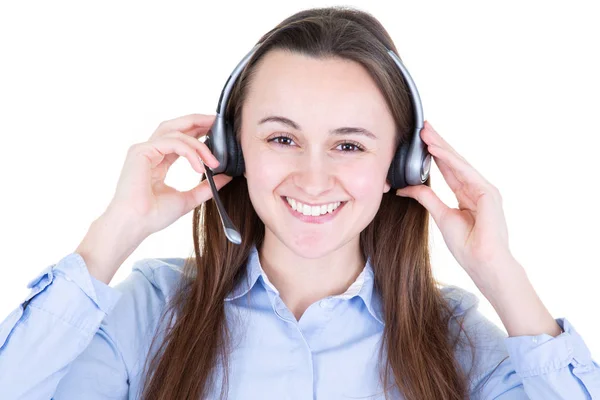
(142, 197)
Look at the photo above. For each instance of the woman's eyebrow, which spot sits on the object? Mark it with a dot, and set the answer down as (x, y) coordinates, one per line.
(346, 130)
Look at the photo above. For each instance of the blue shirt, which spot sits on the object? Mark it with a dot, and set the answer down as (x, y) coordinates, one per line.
(75, 337)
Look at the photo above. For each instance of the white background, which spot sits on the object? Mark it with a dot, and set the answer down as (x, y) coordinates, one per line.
(512, 86)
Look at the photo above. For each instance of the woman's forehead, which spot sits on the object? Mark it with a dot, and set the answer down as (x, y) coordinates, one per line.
(284, 73)
(292, 84)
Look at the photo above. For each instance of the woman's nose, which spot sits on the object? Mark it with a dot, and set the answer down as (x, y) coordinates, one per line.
(314, 175)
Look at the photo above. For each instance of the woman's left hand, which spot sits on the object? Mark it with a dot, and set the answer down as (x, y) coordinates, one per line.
(476, 233)
(477, 237)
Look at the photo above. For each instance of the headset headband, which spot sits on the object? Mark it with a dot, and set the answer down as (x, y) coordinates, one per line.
(418, 160)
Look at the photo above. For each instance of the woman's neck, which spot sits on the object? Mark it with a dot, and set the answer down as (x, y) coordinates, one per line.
(302, 281)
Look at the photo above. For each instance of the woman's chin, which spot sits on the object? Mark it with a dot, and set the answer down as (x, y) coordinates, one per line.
(312, 246)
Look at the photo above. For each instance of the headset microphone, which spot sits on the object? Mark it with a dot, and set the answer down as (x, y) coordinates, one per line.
(410, 166)
(230, 231)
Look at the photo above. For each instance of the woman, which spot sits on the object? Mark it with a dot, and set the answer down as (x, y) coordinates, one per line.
(346, 306)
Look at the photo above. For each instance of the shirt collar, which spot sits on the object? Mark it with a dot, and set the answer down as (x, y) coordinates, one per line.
(362, 286)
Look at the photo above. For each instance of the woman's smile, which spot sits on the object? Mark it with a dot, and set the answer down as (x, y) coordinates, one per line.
(329, 210)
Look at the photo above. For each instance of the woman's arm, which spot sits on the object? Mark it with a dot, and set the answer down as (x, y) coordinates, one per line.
(57, 321)
(532, 367)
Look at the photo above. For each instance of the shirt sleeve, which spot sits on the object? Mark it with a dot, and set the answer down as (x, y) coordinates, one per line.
(528, 367)
(55, 323)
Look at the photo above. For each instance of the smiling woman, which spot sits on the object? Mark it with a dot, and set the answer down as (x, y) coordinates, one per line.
(319, 112)
(330, 292)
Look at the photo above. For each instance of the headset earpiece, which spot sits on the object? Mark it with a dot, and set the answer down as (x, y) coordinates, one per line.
(397, 167)
(235, 163)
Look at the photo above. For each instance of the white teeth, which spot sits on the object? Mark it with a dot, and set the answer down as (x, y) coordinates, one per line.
(312, 210)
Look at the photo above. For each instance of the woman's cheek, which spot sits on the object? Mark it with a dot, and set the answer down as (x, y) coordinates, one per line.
(266, 172)
(361, 181)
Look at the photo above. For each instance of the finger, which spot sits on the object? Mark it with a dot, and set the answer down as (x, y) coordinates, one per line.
(471, 184)
(207, 157)
(461, 169)
(428, 199)
(170, 148)
(433, 138)
(447, 173)
(196, 124)
(463, 195)
(201, 193)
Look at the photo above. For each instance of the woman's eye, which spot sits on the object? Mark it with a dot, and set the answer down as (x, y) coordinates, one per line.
(285, 140)
(350, 145)
(347, 147)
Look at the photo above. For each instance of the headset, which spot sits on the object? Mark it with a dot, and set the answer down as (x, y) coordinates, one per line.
(410, 166)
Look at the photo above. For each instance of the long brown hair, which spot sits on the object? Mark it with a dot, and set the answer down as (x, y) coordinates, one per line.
(419, 352)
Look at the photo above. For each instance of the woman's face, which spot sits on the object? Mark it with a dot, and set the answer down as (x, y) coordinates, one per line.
(311, 159)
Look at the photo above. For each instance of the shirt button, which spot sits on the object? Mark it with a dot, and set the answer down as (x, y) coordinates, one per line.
(534, 340)
(324, 303)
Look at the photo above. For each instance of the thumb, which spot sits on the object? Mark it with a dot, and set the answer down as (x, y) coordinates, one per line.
(427, 198)
(202, 192)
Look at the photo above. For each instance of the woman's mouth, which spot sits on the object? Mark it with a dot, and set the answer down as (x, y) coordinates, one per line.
(313, 214)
